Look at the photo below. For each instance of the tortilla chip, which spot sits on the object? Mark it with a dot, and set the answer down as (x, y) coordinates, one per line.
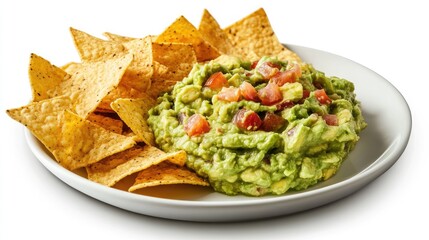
(71, 67)
(134, 112)
(140, 70)
(116, 167)
(254, 33)
(44, 119)
(117, 38)
(108, 123)
(213, 33)
(92, 82)
(182, 31)
(167, 69)
(91, 48)
(43, 77)
(122, 91)
(82, 143)
(166, 173)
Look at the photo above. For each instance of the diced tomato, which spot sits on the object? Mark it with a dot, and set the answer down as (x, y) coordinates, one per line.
(249, 92)
(305, 93)
(231, 94)
(268, 69)
(288, 76)
(216, 81)
(247, 120)
(196, 125)
(254, 64)
(270, 94)
(331, 119)
(322, 97)
(272, 122)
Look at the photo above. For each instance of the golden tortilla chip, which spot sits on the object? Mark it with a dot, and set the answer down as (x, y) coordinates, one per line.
(167, 68)
(43, 77)
(43, 119)
(254, 33)
(82, 142)
(166, 173)
(116, 167)
(111, 124)
(182, 31)
(117, 38)
(213, 33)
(91, 48)
(89, 85)
(140, 71)
(122, 91)
(134, 112)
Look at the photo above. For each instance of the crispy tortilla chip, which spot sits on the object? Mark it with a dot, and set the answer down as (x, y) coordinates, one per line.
(167, 69)
(92, 82)
(166, 173)
(117, 37)
(114, 168)
(44, 119)
(254, 33)
(91, 48)
(213, 33)
(44, 76)
(177, 57)
(71, 67)
(82, 143)
(140, 71)
(182, 31)
(122, 91)
(111, 124)
(134, 112)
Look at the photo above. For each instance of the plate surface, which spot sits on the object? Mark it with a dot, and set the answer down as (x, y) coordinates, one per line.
(380, 146)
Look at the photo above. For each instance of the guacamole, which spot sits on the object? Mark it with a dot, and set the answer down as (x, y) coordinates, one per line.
(259, 128)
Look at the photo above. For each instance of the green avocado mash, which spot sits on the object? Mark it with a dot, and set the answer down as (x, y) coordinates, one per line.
(265, 144)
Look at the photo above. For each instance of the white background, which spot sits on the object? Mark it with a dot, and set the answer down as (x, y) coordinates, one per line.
(389, 37)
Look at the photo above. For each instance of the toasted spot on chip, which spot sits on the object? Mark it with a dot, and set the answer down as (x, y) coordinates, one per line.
(166, 173)
(91, 48)
(182, 31)
(116, 167)
(92, 82)
(44, 76)
(134, 112)
(213, 33)
(82, 142)
(254, 33)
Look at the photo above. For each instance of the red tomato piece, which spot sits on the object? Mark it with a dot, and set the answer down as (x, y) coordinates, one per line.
(331, 119)
(231, 94)
(254, 64)
(270, 94)
(268, 69)
(322, 97)
(247, 120)
(196, 125)
(288, 76)
(272, 122)
(216, 81)
(248, 92)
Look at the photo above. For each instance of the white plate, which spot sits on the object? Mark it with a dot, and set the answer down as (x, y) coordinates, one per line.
(381, 144)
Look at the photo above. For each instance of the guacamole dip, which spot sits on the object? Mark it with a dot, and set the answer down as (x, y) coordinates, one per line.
(259, 128)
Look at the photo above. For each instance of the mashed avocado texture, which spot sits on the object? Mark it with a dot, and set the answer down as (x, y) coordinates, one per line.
(259, 128)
